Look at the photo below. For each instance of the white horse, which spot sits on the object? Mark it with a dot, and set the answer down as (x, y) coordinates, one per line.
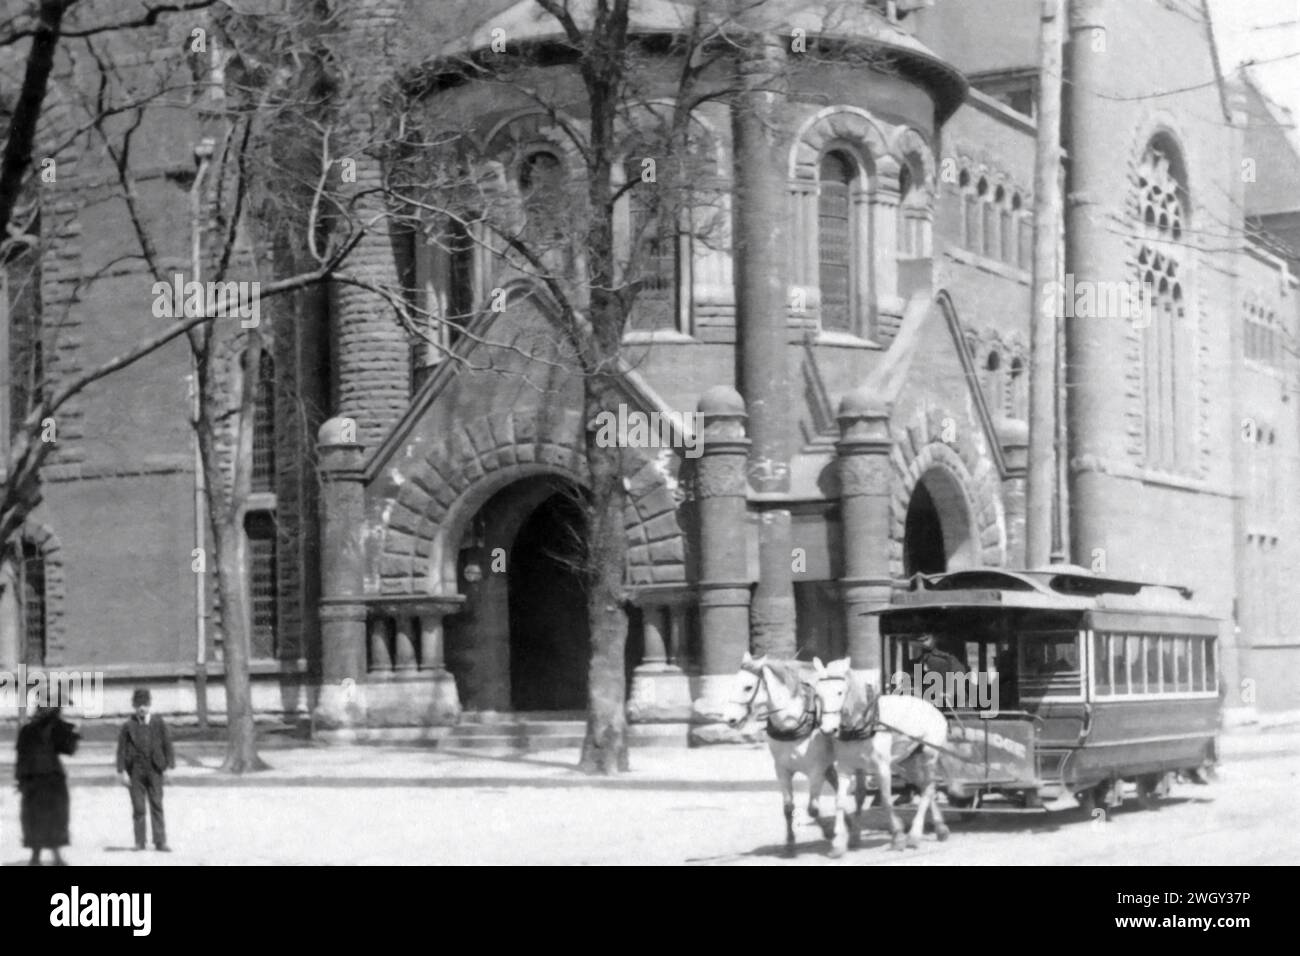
(864, 727)
(774, 690)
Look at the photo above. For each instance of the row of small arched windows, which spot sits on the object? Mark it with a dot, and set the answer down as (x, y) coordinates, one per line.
(995, 221)
(1264, 337)
(1001, 372)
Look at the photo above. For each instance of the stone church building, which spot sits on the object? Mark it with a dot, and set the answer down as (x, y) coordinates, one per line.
(412, 509)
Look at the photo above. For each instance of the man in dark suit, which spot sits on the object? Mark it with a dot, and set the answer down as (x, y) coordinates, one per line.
(144, 753)
(931, 660)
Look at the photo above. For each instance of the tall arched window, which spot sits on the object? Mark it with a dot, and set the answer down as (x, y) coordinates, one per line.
(32, 568)
(1008, 208)
(988, 245)
(1017, 390)
(20, 289)
(263, 584)
(1024, 233)
(836, 241)
(541, 186)
(971, 229)
(993, 376)
(1168, 346)
(906, 240)
(913, 215)
(263, 471)
(653, 240)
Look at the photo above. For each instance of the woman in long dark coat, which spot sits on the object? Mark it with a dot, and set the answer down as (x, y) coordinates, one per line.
(43, 783)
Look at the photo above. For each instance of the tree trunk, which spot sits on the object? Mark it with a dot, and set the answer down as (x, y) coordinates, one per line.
(241, 730)
(605, 748)
(224, 492)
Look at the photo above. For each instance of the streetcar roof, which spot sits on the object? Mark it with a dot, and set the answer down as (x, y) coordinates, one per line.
(1057, 587)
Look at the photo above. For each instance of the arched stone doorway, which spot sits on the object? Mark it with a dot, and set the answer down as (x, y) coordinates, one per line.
(521, 643)
(550, 644)
(938, 531)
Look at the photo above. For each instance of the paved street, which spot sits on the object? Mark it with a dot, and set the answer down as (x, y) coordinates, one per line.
(405, 805)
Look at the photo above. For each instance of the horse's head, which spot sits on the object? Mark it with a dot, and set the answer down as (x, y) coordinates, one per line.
(832, 690)
(745, 692)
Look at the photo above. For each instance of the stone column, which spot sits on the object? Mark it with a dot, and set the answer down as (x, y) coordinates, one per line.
(342, 611)
(724, 584)
(381, 657)
(864, 470)
(660, 690)
(444, 705)
(677, 635)
(404, 644)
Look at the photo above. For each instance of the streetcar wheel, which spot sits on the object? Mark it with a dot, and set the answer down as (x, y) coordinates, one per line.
(964, 807)
(1148, 790)
(1153, 787)
(1088, 803)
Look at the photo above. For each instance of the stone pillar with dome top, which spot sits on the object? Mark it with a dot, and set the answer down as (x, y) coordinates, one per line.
(342, 607)
(725, 580)
(864, 472)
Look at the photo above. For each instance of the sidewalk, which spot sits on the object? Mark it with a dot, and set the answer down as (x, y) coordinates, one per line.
(303, 763)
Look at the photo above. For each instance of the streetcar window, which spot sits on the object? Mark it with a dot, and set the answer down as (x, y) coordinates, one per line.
(1050, 664)
(1136, 672)
(1198, 663)
(1101, 662)
(1151, 654)
(1211, 670)
(1182, 663)
(1119, 644)
(1168, 672)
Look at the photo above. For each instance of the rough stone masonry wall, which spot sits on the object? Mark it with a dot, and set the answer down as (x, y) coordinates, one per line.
(373, 350)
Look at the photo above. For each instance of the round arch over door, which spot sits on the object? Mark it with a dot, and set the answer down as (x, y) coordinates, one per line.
(938, 533)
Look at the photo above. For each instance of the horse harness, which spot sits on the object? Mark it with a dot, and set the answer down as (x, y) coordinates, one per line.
(866, 726)
(807, 720)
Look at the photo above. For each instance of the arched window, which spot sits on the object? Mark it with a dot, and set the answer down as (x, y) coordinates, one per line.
(263, 584)
(1024, 233)
(988, 220)
(906, 239)
(541, 186)
(540, 173)
(913, 215)
(653, 246)
(993, 376)
(836, 241)
(1007, 207)
(32, 569)
(263, 471)
(20, 303)
(446, 277)
(971, 228)
(1168, 345)
(460, 275)
(1017, 390)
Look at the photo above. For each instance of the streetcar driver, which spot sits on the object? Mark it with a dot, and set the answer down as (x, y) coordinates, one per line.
(930, 659)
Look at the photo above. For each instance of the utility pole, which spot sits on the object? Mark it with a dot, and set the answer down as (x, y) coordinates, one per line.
(1041, 526)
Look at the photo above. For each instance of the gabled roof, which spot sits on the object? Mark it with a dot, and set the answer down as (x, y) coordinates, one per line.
(1272, 141)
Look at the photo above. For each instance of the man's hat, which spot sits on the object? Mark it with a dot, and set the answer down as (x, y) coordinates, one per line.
(141, 696)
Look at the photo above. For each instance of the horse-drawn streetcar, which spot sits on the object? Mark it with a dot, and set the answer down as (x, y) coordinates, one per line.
(1066, 683)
